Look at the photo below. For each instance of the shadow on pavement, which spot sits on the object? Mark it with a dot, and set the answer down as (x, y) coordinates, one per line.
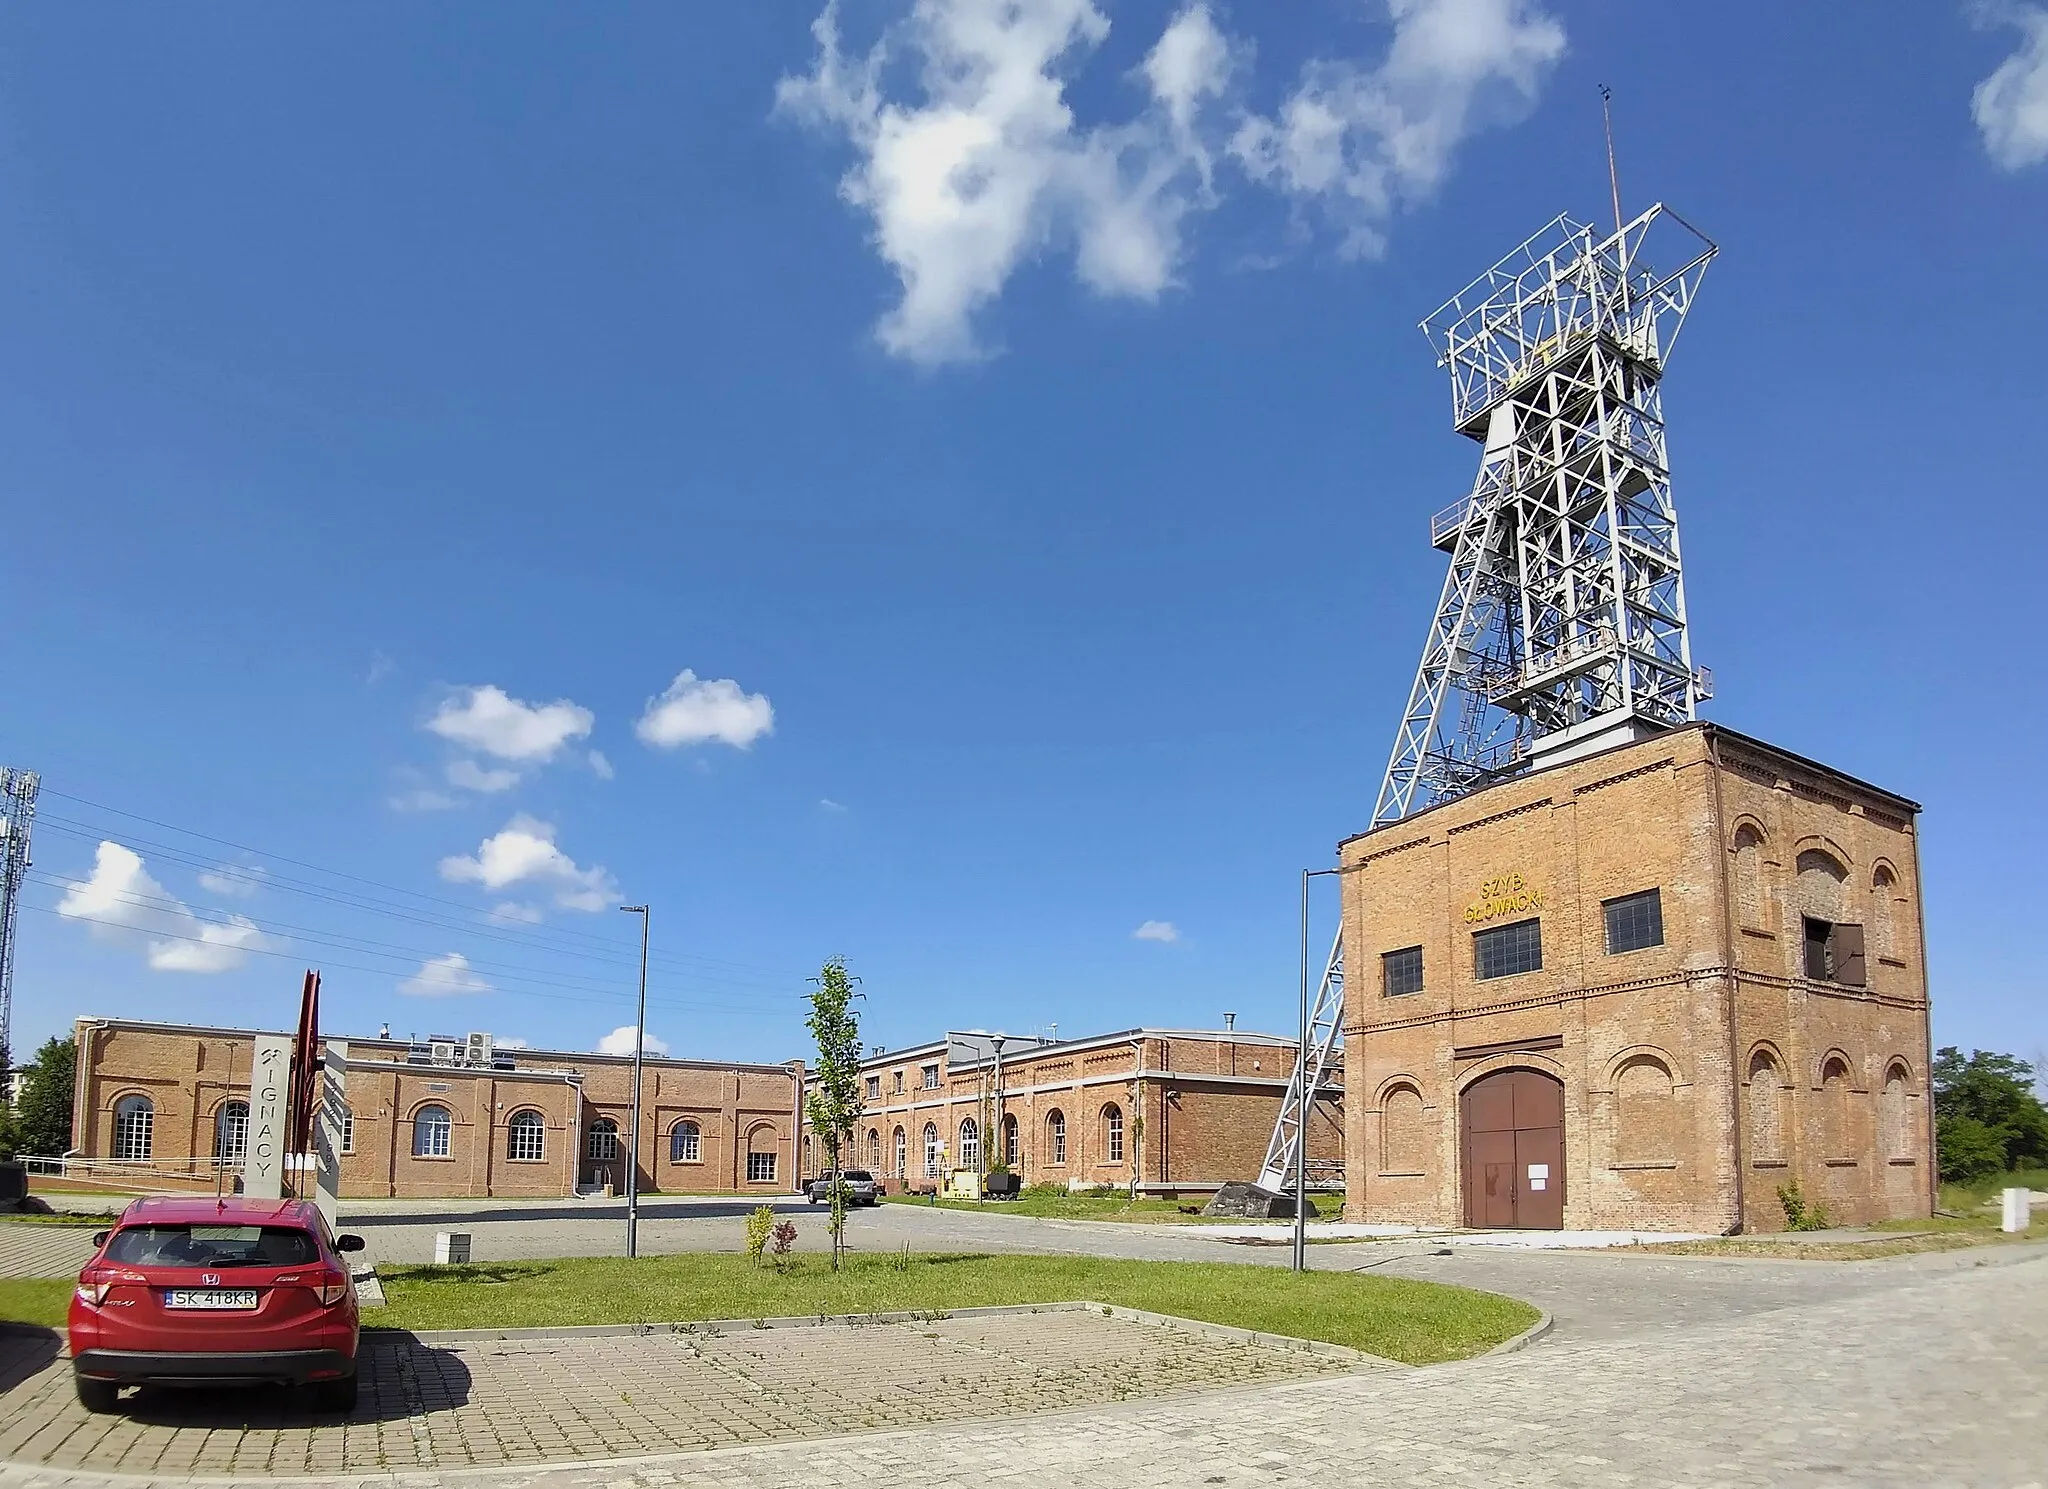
(583, 1210)
(401, 1378)
(26, 1350)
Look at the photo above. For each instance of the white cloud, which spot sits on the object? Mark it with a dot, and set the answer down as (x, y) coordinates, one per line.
(620, 1042)
(525, 853)
(1364, 141)
(508, 1042)
(490, 720)
(444, 977)
(236, 881)
(826, 803)
(2011, 106)
(121, 902)
(1157, 930)
(600, 766)
(423, 799)
(990, 167)
(698, 710)
(511, 912)
(469, 776)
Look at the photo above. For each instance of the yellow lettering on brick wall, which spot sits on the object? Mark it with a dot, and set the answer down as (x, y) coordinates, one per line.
(1504, 894)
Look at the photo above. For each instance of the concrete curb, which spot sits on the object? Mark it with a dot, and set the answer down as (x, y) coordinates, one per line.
(708, 1327)
(1522, 1340)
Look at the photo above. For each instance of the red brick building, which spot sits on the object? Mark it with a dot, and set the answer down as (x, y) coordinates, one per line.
(167, 1104)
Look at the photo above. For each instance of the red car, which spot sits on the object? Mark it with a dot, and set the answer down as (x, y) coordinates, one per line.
(232, 1291)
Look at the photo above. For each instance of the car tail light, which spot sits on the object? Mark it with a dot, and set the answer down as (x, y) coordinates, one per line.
(331, 1288)
(94, 1293)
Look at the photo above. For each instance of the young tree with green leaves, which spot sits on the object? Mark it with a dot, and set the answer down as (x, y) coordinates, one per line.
(1987, 1118)
(834, 1105)
(43, 1115)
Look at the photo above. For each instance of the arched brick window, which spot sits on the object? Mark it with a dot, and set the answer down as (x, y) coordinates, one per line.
(970, 1144)
(1056, 1136)
(134, 1129)
(601, 1144)
(931, 1150)
(686, 1142)
(1837, 1140)
(433, 1132)
(1749, 877)
(1884, 893)
(526, 1137)
(1645, 1111)
(1012, 1154)
(874, 1150)
(1766, 1109)
(1821, 877)
(1112, 1133)
(231, 1132)
(1403, 1149)
(902, 1142)
(1895, 1131)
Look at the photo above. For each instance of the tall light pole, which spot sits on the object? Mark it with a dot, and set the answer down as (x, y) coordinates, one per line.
(639, 1055)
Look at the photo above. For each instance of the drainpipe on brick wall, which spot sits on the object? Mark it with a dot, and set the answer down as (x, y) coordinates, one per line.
(1738, 1148)
(1137, 1115)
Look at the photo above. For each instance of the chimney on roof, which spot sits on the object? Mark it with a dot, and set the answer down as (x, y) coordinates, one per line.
(383, 1031)
(1229, 1022)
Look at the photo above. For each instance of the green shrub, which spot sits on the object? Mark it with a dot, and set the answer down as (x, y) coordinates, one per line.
(1799, 1215)
(760, 1226)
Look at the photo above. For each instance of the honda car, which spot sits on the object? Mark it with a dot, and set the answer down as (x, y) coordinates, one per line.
(217, 1291)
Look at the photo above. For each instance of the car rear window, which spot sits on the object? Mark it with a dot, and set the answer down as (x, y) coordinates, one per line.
(212, 1246)
(859, 1176)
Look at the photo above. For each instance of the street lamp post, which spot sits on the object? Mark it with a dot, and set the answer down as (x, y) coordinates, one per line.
(639, 1055)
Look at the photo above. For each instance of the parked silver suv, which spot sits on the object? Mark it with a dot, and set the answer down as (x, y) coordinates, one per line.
(861, 1188)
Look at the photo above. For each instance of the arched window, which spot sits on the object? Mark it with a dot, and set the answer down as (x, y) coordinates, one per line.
(231, 1132)
(433, 1132)
(1401, 1140)
(1834, 1107)
(1821, 879)
(1011, 1155)
(526, 1137)
(970, 1144)
(1056, 1136)
(685, 1142)
(1112, 1133)
(1884, 891)
(931, 1150)
(1749, 877)
(1894, 1131)
(1644, 1112)
(602, 1144)
(874, 1150)
(134, 1129)
(1766, 1109)
(902, 1142)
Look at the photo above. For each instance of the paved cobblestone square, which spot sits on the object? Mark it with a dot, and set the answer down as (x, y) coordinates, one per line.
(529, 1401)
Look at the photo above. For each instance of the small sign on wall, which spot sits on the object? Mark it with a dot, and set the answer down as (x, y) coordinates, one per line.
(1539, 1176)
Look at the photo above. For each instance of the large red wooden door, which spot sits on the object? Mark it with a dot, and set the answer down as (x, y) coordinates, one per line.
(1511, 1126)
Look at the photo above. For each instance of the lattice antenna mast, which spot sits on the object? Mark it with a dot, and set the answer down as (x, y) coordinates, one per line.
(17, 816)
(1561, 628)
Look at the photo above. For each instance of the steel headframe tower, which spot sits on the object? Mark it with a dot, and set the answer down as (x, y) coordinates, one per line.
(17, 816)
(1561, 627)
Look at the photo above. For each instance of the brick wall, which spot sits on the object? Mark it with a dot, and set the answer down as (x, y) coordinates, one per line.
(1655, 1048)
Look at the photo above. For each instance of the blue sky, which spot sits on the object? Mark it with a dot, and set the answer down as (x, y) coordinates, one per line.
(395, 403)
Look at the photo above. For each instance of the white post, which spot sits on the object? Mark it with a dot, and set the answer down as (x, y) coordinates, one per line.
(2017, 1204)
(327, 1129)
(263, 1148)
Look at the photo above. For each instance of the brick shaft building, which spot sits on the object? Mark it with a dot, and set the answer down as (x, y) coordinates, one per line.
(1640, 990)
(1173, 1110)
(166, 1104)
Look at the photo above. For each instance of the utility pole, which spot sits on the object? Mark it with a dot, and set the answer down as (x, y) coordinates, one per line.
(639, 1057)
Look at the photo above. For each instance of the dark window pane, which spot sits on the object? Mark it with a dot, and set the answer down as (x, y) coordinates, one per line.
(1635, 921)
(1504, 950)
(1401, 971)
(1818, 963)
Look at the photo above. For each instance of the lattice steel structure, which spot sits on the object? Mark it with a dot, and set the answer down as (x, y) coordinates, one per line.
(17, 817)
(1561, 626)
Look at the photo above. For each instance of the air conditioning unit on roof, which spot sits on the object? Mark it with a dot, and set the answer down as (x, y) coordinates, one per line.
(442, 1050)
(480, 1049)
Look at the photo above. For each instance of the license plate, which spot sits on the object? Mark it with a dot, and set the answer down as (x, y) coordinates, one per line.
(210, 1298)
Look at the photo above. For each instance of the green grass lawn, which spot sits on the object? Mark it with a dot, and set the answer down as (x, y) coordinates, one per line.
(1418, 1322)
(1051, 1203)
(35, 1300)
